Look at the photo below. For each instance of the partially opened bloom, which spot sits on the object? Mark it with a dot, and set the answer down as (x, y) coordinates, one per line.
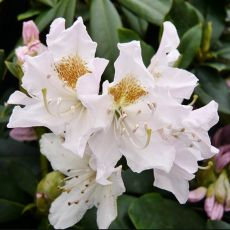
(192, 144)
(32, 45)
(81, 190)
(57, 83)
(179, 82)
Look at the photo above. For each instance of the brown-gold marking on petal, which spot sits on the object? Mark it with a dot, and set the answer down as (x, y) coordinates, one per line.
(127, 91)
(70, 69)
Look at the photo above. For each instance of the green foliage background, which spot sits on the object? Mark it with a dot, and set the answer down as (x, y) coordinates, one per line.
(204, 30)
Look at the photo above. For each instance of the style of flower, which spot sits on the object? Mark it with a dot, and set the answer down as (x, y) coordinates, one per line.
(32, 45)
(57, 82)
(180, 83)
(81, 190)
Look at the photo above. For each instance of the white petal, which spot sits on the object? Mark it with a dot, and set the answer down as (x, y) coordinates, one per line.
(39, 74)
(62, 214)
(106, 153)
(73, 41)
(167, 53)
(158, 154)
(57, 26)
(130, 62)
(60, 158)
(107, 208)
(89, 84)
(35, 115)
(175, 181)
(204, 118)
(19, 98)
(179, 82)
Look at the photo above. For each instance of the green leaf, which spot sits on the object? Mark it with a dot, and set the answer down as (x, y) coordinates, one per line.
(223, 53)
(138, 183)
(5, 112)
(51, 3)
(184, 16)
(218, 66)
(23, 177)
(126, 35)
(151, 211)
(190, 44)
(152, 11)
(14, 69)
(28, 14)
(104, 31)
(122, 221)
(2, 66)
(9, 210)
(136, 23)
(217, 225)
(215, 87)
(64, 8)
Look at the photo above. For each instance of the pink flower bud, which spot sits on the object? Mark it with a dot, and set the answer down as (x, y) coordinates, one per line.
(223, 158)
(30, 32)
(197, 194)
(221, 137)
(217, 211)
(209, 204)
(23, 134)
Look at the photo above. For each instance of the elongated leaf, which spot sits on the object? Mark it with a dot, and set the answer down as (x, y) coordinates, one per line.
(64, 8)
(123, 221)
(9, 210)
(14, 69)
(215, 87)
(126, 35)
(190, 44)
(151, 211)
(152, 11)
(104, 31)
(138, 24)
(217, 225)
(48, 2)
(184, 16)
(28, 14)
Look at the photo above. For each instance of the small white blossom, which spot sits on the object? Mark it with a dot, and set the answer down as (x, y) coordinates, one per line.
(81, 190)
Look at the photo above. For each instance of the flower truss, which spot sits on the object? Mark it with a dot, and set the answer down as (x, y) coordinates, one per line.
(139, 116)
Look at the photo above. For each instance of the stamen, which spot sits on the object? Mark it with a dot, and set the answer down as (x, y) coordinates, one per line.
(136, 127)
(59, 100)
(44, 95)
(195, 97)
(210, 164)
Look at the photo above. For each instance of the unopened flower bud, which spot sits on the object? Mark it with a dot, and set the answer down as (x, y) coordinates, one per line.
(227, 200)
(197, 194)
(30, 32)
(48, 189)
(23, 134)
(210, 200)
(220, 190)
(217, 211)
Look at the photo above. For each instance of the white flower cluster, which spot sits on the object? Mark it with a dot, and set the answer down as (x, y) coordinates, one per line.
(139, 116)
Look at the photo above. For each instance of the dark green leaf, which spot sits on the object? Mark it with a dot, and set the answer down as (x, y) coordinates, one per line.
(28, 14)
(51, 3)
(89, 220)
(122, 221)
(104, 31)
(190, 44)
(15, 69)
(23, 177)
(64, 8)
(9, 210)
(184, 16)
(217, 225)
(218, 66)
(126, 35)
(151, 211)
(215, 87)
(223, 53)
(136, 23)
(152, 11)
(138, 183)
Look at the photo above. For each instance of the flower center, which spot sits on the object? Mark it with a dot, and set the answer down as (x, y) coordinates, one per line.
(70, 69)
(127, 91)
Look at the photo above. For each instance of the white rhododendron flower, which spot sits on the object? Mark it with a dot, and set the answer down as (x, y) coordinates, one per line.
(137, 110)
(179, 82)
(192, 144)
(81, 191)
(57, 82)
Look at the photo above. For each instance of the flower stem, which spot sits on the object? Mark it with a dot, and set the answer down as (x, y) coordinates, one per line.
(43, 165)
